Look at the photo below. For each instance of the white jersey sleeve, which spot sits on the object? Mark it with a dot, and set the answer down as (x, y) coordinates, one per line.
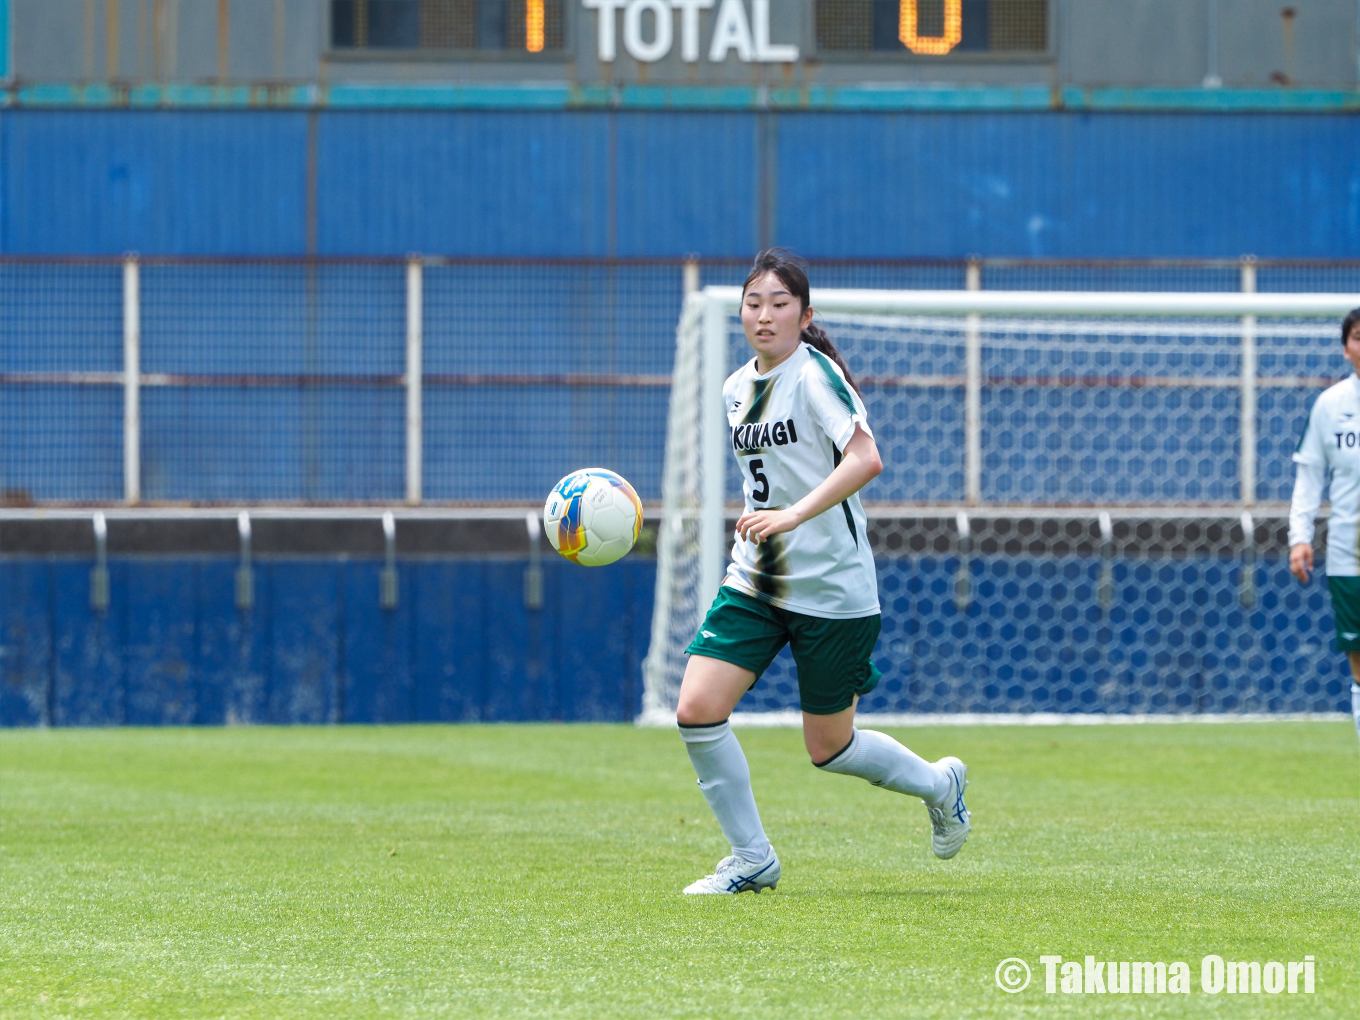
(833, 402)
(1310, 477)
(1312, 447)
(1309, 481)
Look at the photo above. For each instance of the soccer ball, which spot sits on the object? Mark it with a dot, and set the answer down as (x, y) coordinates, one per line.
(592, 517)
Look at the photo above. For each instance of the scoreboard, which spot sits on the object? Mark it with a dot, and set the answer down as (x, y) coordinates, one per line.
(697, 31)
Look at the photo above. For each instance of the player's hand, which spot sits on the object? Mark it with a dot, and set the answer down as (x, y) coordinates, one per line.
(1301, 560)
(763, 523)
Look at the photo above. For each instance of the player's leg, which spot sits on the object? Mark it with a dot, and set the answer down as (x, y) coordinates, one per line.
(1345, 592)
(871, 755)
(710, 690)
(1355, 689)
(834, 670)
(735, 644)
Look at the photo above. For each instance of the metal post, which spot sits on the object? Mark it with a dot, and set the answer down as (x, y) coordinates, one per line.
(99, 577)
(245, 575)
(387, 582)
(1247, 455)
(690, 276)
(533, 576)
(415, 414)
(713, 434)
(1105, 592)
(132, 381)
(972, 399)
(1212, 79)
(963, 588)
(1248, 593)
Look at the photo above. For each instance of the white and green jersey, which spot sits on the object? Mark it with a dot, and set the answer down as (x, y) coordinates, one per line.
(1331, 443)
(789, 428)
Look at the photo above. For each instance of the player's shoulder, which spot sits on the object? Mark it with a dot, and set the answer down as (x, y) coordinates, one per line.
(820, 371)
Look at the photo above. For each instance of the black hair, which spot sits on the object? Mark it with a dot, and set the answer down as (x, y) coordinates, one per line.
(791, 272)
(1348, 323)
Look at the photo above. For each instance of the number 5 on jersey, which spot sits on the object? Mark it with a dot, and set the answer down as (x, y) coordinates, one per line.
(761, 492)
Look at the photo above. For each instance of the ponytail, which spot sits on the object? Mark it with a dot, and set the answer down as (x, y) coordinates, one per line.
(816, 336)
(789, 268)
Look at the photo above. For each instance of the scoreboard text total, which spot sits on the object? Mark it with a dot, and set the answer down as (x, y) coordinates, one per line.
(932, 27)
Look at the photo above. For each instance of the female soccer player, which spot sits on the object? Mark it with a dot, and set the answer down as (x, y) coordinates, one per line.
(802, 574)
(1331, 442)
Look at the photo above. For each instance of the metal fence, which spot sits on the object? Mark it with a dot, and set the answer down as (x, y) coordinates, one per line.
(447, 381)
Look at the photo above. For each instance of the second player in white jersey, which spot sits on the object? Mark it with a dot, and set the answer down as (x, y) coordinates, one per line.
(1330, 446)
(789, 427)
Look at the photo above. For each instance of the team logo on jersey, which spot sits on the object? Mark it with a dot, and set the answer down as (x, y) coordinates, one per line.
(1348, 440)
(761, 435)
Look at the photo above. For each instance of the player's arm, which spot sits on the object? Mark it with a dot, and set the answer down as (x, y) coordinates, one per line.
(1310, 475)
(1303, 507)
(859, 464)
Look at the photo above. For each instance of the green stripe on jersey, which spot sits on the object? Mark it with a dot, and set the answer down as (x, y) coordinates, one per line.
(833, 377)
(845, 503)
(760, 397)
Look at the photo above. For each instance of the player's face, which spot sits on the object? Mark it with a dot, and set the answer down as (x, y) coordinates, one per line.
(1352, 347)
(772, 319)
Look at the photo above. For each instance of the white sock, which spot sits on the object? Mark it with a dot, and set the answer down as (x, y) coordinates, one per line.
(725, 779)
(1355, 705)
(884, 762)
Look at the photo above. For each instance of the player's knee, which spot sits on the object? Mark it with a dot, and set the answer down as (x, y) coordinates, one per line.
(697, 712)
(686, 715)
(824, 739)
(819, 750)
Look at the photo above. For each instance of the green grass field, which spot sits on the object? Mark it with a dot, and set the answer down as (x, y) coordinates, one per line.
(535, 871)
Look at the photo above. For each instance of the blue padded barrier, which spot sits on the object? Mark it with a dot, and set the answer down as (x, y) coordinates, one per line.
(26, 641)
(173, 648)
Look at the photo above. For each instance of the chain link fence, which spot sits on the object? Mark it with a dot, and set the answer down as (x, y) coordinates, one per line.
(288, 381)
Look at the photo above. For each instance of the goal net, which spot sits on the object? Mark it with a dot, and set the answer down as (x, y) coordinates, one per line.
(1083, 507)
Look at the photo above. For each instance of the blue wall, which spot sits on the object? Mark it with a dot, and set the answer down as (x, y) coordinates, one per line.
(562, 183)
(173, 649)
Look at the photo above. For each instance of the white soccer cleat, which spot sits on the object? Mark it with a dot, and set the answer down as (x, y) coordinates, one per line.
(949, 818)
(734, 875)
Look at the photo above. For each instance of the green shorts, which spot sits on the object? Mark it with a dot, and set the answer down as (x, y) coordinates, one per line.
(1346, 608)
(832, 655)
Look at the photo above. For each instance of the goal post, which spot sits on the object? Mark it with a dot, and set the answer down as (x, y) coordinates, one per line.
(1029, 410)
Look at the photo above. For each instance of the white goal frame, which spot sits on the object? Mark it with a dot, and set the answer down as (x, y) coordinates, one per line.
(713, 307)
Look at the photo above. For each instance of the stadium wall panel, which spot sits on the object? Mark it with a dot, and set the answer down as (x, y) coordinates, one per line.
(174, 649)
(1070, 185)
(463, 183)
(663, 183)
(690, 183)
(159, 182)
